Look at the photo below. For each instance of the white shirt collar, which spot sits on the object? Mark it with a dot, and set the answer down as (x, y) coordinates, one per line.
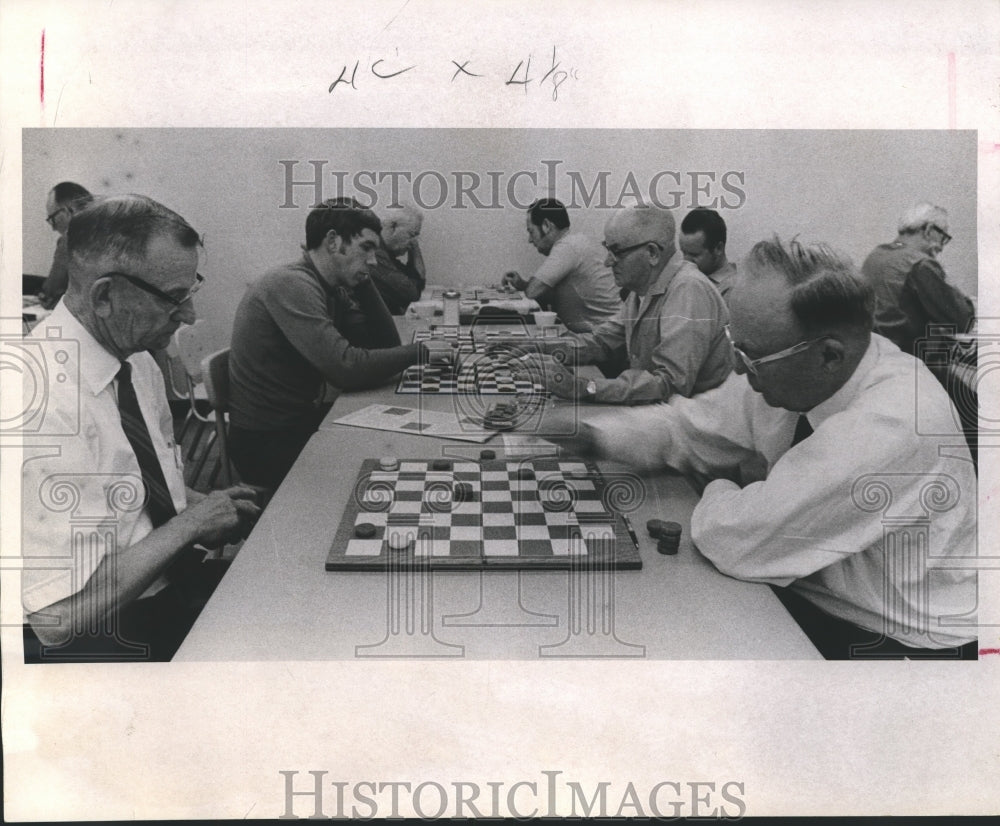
(98, 367)
(843, 398)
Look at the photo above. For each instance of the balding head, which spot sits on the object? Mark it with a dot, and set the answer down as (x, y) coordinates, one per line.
(645, 223)
(400, 228)
(640, 243)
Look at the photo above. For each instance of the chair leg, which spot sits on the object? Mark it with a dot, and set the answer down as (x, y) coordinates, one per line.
(193, 450)
(221, 440)
(204, 456)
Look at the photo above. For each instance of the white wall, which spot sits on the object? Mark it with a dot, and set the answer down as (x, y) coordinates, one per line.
(843, 187)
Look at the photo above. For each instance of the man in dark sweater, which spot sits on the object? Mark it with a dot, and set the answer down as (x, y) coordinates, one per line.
(315, 321)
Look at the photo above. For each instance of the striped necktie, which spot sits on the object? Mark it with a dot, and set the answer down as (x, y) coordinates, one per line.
(803, 430)
(159, 504)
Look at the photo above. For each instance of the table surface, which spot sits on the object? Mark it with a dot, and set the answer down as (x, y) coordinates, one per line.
(278, 603)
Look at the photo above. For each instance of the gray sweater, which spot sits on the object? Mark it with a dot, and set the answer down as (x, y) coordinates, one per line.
(293, 333)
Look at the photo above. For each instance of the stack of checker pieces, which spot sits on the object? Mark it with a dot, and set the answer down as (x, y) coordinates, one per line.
(473, 371)
(539, 514)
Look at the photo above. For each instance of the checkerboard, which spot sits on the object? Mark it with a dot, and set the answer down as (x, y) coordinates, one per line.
(474, 372)
(530, 514)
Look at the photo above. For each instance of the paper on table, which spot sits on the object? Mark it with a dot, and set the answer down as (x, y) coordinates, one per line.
(417, 422)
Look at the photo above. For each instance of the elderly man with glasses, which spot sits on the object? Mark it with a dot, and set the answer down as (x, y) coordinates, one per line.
(111, 573)
(914, 302)
(815, 477)
(669, 327)
(63, 200)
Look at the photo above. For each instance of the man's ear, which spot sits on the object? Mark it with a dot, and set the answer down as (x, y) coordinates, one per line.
(100, 297)
(334, 243)
(833, 352)
(547, 226)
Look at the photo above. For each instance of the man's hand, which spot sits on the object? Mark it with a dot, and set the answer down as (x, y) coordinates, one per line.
(435, 351)
(553, 374)
(512, 281)
(222, 516)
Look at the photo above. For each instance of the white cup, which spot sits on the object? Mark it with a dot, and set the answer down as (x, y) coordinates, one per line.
(543, 319)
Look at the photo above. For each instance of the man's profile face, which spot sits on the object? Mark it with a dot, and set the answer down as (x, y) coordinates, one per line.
(694, 249)
(399, 233)
(632, 269)
(58, 213)
(761, 324)
(538, 237)
(934, 238)
(141, 321)
(353, 258)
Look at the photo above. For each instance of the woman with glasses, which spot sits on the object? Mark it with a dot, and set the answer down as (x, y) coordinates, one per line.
(64, 200)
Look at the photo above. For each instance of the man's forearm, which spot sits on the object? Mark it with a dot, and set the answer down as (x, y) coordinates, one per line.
(120, 578)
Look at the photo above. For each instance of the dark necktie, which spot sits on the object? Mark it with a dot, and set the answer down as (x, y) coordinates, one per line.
(159, 505)
(803, 430)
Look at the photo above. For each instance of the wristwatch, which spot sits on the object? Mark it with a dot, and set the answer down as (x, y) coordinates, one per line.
(591, 389)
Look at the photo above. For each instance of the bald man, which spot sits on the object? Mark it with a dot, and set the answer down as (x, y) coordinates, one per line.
(670, 328)
(399, 282)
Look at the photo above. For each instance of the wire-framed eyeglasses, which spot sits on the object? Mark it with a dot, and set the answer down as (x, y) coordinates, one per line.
(751, 365)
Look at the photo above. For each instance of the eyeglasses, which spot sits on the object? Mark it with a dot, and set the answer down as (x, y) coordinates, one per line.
(945, 237)
(619, 252)
(751, 365)
(149, 288)
(51, 219)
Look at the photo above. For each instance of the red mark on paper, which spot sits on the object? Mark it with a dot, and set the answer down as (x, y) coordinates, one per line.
(952, 107)
(984, 651)
(41, 71)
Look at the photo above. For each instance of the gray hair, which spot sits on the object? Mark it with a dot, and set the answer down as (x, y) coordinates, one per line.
(123, 226)
(919, 216)
(827, 290)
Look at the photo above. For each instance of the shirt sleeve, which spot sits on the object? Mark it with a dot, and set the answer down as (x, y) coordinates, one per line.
(304, 313)
(685, 332)
(942, 302)
(705, 436)
(559, 263)
(803, 516)
(603, 341)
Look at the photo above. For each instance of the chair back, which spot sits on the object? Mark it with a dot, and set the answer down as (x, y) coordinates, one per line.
(214, 370)
(193, 345)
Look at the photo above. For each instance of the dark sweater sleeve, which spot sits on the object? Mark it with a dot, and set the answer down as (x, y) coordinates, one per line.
(398, 283)
(943, 303)
(304, 313)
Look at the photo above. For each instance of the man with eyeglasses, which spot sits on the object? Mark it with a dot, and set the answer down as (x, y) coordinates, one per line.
(63, 200)
(313, 322)
(669, 328)
(110, 571)
(574, 281)
(913, 298)
(814, 476)
(400, 282)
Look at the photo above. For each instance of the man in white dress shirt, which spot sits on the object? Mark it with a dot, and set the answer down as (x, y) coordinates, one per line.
(816, 478)
(110, 573)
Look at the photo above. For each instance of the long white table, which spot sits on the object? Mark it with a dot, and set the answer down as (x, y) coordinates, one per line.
(279, 603)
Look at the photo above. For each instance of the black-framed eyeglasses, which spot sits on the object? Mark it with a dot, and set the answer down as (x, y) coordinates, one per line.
(175, 301)
(51, 219)
(619, 252)
(751, 365)
(945, 237)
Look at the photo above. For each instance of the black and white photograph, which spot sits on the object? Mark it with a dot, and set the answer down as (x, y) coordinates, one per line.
(423, 427)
